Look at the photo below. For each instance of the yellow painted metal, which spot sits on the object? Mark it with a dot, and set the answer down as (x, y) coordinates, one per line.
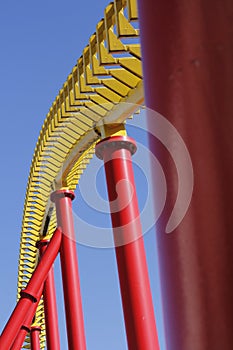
(107, 130)
(108, 72)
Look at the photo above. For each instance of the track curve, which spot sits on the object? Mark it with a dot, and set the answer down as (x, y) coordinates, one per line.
(108, 72)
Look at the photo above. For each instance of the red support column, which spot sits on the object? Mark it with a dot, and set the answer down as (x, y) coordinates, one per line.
(131, 260)
(187, 66)
(31, 294)
(50, 305)
(35, 338)
(69, 264)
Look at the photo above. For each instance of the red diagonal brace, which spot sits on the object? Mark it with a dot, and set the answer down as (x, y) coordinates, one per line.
(31, 294)
(25, 328)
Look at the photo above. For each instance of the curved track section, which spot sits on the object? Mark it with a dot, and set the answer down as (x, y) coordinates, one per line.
(108, 72)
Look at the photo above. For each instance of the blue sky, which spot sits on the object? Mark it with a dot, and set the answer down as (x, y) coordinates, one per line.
(40, 43)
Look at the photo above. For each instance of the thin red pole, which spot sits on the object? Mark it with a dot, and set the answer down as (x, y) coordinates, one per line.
(131, 260)
(187, 66)
(69, 265)
(50, 305)
(35, 338)
(31, 294)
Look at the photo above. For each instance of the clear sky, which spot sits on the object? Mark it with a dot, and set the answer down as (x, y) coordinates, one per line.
(40, 43)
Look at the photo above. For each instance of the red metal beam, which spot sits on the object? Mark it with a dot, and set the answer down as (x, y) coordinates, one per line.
(69, 265)
(31, 294)
(18, 343)
(35, 338)
(26, 327)
(50, 305)
(131, 260)
(187, 63)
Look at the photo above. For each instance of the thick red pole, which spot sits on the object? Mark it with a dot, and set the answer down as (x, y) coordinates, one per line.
(187, 65)
(50, 305)
(18, 343)
(31, 294)
(35, 338)
(69, 265)
(131, 260)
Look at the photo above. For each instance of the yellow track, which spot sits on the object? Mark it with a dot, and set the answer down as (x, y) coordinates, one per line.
(108, 72)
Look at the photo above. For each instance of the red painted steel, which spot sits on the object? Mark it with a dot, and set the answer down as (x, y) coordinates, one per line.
(18, 343)
(131, 260)
(50, 305)
(31, 294)
(25, 328)
(35, 338)
(187, 63)
(69, 265)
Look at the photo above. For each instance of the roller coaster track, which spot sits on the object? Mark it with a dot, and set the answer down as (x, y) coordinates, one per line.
(108, 72)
